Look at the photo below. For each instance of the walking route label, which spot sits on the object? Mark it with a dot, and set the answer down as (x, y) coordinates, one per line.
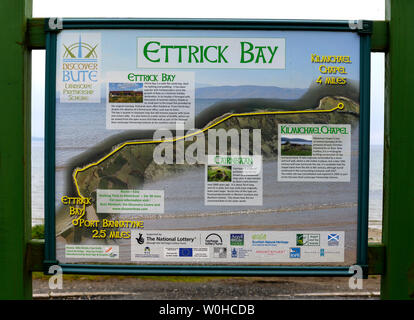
(208, 146)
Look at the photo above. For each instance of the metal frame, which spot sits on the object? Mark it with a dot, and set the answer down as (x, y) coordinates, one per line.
(15, 154)
(305, 25)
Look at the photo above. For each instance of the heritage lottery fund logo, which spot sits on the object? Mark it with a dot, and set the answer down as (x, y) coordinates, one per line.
(79, 64)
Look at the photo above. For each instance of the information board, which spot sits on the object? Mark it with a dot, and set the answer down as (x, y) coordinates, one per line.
(207, 145)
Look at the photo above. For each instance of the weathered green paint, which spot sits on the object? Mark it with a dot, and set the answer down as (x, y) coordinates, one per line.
(376, 258)
(398, 216)
(35, 255)
(18, 260)
(410, 281)
(36, 35)
(379, 38)
(15, 138)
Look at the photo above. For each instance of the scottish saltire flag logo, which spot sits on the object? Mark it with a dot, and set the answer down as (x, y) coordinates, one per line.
(333, 239)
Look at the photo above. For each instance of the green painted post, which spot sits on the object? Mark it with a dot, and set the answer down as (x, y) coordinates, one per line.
(398, 220)
(15, 138)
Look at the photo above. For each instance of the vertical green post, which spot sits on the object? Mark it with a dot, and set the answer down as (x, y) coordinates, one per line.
(15, 143)
(398, 220)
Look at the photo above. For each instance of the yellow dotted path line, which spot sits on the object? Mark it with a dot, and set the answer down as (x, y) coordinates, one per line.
(340, 106)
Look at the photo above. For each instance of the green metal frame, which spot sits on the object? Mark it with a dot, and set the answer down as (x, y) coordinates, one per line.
(15, 150)
(50, 143)
(185, 24)
(398, 216)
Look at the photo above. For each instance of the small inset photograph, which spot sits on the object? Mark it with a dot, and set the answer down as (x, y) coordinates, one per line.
(296, 145)
(220, 252)
(125, 92)
(219, 173)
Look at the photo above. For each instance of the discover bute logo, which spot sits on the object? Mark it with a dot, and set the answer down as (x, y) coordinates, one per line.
(80, 50)
(78, 76)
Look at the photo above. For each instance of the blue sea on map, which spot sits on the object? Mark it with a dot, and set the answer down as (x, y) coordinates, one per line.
(72, 142)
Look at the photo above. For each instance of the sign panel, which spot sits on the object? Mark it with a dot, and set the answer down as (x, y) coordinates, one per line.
(207, 147)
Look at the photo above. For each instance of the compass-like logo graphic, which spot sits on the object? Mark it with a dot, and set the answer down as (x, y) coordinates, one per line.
(80, 50)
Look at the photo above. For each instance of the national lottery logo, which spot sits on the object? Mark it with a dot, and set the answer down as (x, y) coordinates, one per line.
(140, 239)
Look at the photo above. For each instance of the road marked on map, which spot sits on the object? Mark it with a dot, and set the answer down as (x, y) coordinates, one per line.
(340, 106)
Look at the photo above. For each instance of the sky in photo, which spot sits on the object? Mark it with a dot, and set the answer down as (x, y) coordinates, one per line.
(218, 9)
(116, 86)
(119, 51)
